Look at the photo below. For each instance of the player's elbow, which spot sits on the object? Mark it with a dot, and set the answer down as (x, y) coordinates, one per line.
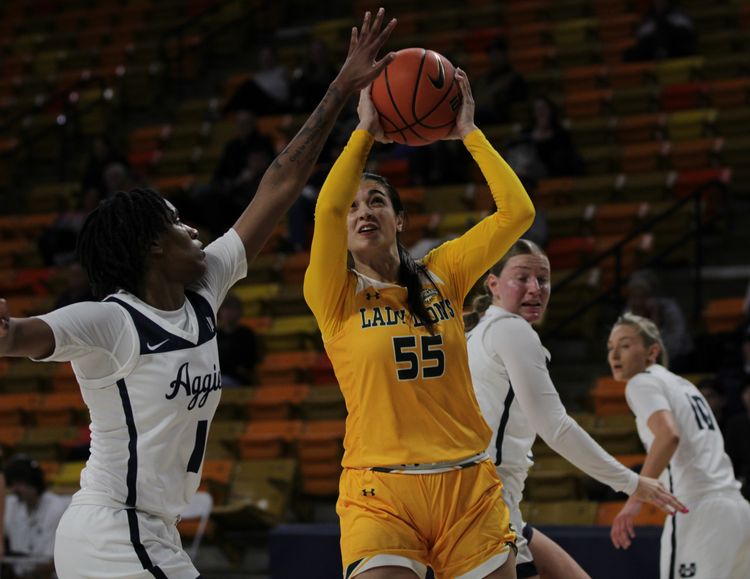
(670, 439)
(526, 214)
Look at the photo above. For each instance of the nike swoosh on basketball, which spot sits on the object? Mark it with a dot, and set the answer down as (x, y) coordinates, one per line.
(440, 80)
(155, 346)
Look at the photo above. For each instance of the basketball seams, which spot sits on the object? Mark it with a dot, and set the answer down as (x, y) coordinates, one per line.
(398, 112)
(402, 82)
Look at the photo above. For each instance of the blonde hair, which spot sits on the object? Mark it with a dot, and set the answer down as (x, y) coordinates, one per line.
(648, 332)
(483, 300)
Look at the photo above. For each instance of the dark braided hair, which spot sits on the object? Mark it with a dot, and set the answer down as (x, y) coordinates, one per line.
(117, 236)
(483, 300)
(409, 270)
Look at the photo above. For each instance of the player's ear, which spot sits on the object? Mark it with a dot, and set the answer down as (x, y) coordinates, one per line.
(157, 248)
(399, 222)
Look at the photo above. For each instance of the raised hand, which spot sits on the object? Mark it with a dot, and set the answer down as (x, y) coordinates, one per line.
(650, 490)
(465, 118)
(360, 67)
(369, 119)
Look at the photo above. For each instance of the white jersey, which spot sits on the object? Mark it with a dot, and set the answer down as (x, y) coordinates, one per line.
(151, 381)
(518, 400)
(699, 465)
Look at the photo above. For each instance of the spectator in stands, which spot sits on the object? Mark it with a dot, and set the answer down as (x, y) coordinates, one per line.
(518, 400)
(679, 432)
(737, 441)
(146, 356)
(236, 177)
(553, 153)
(644, 299)
(236, 159)
(267, 92)
(95, 184)
(524, 159)
(239, 351)
(311, 79)
(32, 514)
(499, 88)
(665, 32)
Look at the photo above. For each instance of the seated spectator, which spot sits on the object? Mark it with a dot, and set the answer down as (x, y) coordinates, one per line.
(95, 185)
(267, 92)
(552, 141)
(239, 351)
(310, 80)
(665, 32)
(737, 442)
(643, 299)
(31, 517)
(500, 87)
(524, 160)
(236, 177)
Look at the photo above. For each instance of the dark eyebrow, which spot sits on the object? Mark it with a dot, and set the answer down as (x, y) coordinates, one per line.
(375, 192)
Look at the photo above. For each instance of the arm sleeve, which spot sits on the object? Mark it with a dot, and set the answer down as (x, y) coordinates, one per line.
(472, 254)
(518, 345)
(226, 264)
(97, 337)
(645, 396)
(326, 276)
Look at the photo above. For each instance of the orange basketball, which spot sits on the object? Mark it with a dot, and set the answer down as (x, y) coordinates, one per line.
(417, 97)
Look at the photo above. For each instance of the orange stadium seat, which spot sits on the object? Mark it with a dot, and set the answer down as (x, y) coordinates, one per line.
(276, 402)
(723, 314)
(321, 439)
(609, 397)
(215, 479)
(268, 438)
(286, 367)
(60, 409)
(16, 409)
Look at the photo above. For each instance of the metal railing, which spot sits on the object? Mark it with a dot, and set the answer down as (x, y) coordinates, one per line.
(701, 221)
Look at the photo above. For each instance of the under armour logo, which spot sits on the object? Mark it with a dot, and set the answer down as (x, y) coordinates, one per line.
(368, 493)
(688, 570)
(375, 296)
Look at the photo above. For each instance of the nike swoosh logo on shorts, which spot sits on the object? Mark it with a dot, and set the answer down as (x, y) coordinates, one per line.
(440, 80)
(155, 346)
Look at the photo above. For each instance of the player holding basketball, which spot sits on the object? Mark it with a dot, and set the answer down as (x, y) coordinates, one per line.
(146, 357)
(417, 487)
(518, 400)
(684, 446)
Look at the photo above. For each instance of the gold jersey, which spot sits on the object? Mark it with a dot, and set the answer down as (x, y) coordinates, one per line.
(408, 393)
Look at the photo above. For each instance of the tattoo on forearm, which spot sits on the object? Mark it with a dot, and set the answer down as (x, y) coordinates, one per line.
(306, 145)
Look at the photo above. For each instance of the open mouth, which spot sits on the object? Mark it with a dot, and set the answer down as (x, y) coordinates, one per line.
(369, 228)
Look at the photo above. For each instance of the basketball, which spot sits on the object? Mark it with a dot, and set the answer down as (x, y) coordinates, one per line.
(417, 97)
